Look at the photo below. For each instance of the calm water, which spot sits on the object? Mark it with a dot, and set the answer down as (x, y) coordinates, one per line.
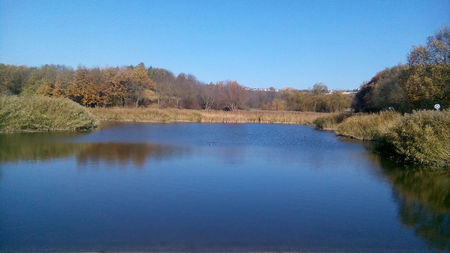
(214, 187)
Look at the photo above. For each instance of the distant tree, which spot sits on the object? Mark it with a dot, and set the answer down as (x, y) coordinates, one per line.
(278, 105)
(82, 89)
(59, 89)
(425, 81)
(320, 88)
(165, 80)
(207, 96)
(140, 83)
(13, 78)
(45, 89)
(235, 96)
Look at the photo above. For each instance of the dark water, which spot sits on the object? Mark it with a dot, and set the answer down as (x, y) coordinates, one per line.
(214, 187)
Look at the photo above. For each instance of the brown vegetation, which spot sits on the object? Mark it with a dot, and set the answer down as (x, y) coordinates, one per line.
(211, 116)
(138, 86)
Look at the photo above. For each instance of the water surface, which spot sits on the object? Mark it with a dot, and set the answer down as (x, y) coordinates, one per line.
(214, 187)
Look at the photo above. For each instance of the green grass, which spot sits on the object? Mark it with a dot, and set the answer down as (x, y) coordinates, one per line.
(43, 114)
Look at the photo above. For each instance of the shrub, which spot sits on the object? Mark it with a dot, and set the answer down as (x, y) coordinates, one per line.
(42, 114)
(422, 137)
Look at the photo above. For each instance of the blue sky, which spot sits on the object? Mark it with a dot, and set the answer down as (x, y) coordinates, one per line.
(258, 43)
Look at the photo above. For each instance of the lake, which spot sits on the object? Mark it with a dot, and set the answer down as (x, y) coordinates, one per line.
(214, 187)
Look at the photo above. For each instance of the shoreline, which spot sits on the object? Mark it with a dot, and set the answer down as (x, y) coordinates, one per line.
(106, 116)
(420, 137)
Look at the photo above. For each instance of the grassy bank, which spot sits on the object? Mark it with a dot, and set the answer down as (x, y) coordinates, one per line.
(42, 114)
(422, 137)
(368, 126)
(212, 116)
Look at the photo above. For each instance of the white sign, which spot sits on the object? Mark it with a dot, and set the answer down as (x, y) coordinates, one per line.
(437, 106)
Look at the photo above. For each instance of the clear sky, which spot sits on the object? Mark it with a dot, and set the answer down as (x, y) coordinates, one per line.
(258, 43)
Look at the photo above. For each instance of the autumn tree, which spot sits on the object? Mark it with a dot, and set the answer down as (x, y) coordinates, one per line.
(46, 89)
(428, 79)
(140, 84)
(278, 105)
(420, 84)
(82, 89)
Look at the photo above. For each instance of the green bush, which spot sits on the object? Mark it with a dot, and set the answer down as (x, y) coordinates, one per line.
(422, 137)
(368, 126)
(42, 114)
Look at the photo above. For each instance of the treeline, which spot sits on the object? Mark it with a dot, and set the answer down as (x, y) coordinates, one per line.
(420, 84)
(89, 87)
(135, 86)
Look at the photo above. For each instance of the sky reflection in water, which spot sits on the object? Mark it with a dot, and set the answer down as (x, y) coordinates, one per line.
(201, 187)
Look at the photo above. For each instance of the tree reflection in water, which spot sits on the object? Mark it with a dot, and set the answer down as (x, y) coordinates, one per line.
(423, 199)
(36, 146)
(42, 147)
(124, 153)
(421, 194)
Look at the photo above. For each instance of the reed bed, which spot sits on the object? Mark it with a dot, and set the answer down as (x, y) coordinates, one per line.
(206, 116)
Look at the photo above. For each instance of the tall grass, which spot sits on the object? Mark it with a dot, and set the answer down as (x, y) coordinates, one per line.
(331, 121)
(42, 114)
(368, 126)
(209, 116)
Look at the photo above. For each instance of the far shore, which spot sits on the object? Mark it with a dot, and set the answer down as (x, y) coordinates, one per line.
(170, 115)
